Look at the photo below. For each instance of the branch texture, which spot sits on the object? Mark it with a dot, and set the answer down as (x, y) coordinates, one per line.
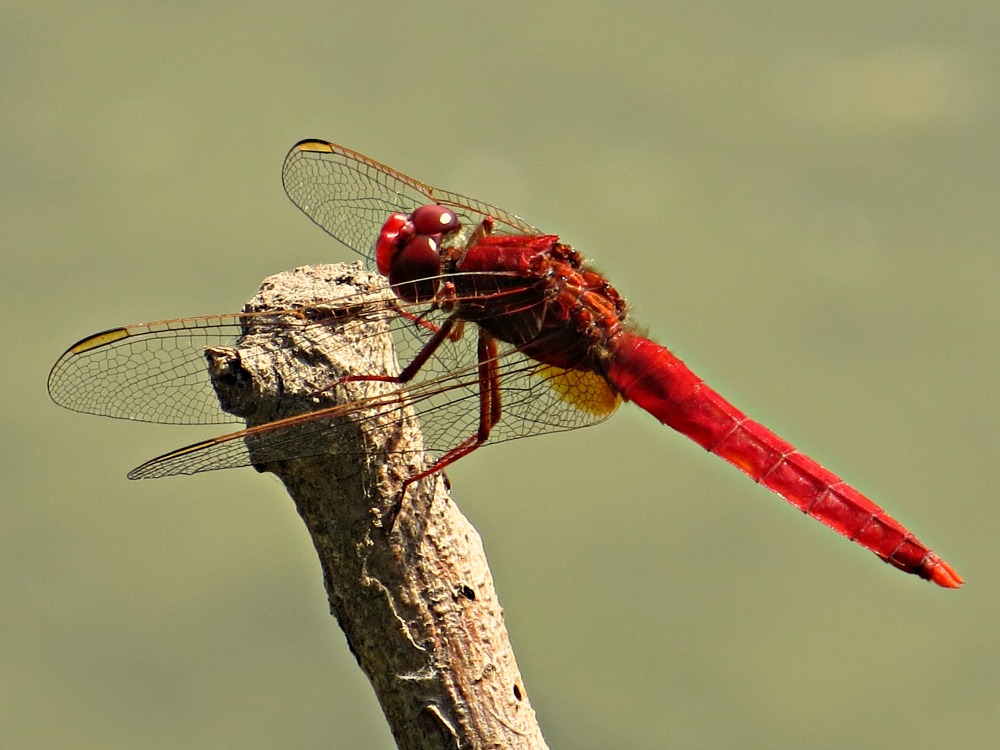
(417, 605)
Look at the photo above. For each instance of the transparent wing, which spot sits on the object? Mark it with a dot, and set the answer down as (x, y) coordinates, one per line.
(150, 372)
(350, 196)
(158, 372)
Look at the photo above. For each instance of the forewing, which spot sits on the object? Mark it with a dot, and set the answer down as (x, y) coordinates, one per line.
(158, 372)
(150, 372)
(350, 195)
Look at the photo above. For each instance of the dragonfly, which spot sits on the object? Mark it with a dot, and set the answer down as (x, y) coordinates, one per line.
(501, 331)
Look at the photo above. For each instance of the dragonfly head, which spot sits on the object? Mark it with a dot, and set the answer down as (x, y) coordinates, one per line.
(408, 250)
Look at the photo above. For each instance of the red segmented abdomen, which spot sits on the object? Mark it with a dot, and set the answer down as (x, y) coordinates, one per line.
(660, 383)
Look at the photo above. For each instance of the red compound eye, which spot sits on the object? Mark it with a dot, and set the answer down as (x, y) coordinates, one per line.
(415, 270)
(387, 244)
(434, 219)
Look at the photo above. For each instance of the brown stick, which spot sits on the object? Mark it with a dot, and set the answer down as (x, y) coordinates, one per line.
(418, 605)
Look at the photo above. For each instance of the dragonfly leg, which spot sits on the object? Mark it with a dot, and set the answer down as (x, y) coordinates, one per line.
(408, 372)
(490, 411)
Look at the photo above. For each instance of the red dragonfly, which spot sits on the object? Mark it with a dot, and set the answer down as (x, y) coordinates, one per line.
(504, 332)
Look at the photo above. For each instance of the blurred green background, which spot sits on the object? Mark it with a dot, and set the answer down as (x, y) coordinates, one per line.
(801, 199)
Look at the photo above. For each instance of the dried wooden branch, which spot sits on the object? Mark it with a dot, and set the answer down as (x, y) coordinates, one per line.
(418, 605)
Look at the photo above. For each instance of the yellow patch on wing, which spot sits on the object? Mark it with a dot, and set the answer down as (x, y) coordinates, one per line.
(321, 146)
(585, 390)
(100, 339)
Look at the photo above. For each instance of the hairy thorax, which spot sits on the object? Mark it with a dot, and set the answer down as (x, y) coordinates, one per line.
(539, 295)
